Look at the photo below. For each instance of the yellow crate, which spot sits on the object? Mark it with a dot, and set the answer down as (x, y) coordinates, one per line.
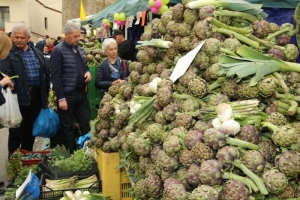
(115, 182)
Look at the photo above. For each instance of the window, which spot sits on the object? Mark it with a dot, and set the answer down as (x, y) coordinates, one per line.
(46, 23)
(4, 16)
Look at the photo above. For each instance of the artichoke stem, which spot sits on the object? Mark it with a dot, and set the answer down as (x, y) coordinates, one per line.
(286, 29)
(281, 81)
(280, 104)
(287, 96)
(243, 103)
(263, 42)
(258, 181)
(223, 50)
(250, 184)
(246, 16)
(282, 111)
(219, 24)
(271, 126)
(293, 108)
(241, 143)
(240, 37)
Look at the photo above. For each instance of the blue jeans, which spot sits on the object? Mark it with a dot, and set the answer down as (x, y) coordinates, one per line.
(79, 109)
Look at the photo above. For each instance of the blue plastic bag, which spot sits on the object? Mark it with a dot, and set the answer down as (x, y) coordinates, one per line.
(46, 124)
(82, 139)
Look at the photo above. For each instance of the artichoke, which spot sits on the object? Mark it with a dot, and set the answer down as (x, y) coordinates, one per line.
(185, 158)
(275, 181)
(192, 137)
(139, 190)
(210, 172)
(205, 192)
(288, 163)
(172, 145)
(227, 154)
(201, 152)
(233, 190)
(198, 87)
(192, 175)
(175, 192)
(153, 186)
(254, 161)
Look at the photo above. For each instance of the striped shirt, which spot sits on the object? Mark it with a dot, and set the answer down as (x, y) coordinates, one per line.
(32, 67)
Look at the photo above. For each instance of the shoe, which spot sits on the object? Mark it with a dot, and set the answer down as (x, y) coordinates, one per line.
(2, 192)
(1, 183)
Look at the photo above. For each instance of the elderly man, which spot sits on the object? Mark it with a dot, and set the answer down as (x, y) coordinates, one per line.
(32, 86)
(69, 76)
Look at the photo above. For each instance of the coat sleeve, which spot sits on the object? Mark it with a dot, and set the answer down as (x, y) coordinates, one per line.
(102, 82)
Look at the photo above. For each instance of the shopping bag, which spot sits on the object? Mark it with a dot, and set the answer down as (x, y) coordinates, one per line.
(10, 115)
(46, 124)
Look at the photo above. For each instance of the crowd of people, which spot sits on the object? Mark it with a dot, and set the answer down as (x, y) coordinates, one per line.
(61, 63)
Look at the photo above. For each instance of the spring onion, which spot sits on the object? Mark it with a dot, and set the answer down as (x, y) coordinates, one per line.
(155, 43)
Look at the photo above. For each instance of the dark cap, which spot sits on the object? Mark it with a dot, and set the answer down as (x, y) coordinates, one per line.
(117, 32)
(82, 30)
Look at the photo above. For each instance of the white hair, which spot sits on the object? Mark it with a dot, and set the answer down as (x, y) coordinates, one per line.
(107, 42)
(21, 27)
(71, 26)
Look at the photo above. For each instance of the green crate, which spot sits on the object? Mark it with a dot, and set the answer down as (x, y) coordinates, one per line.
(93, 92)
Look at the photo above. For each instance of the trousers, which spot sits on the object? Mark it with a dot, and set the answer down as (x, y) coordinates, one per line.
(21, 137)
(79, 109)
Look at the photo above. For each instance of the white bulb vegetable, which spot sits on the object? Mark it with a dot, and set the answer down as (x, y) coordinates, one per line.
(224, 112)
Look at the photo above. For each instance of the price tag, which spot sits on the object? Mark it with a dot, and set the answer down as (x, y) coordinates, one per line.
(183, 63)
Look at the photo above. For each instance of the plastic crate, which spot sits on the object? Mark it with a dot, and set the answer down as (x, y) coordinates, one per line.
(115, 182)
(34, 160)
(32, 190)
(56, 194)
(93, 92)
(56, 172)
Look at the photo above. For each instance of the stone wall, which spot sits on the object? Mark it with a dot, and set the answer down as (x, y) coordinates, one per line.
(71, 8)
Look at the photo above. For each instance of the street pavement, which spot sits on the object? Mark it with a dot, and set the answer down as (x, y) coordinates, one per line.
(4, 155)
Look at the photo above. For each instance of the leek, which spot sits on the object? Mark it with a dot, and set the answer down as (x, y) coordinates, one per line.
(155, 43)
(235, 5)
(254, 63)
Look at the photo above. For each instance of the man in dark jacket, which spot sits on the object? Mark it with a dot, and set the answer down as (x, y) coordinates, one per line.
(69, 76)
(125, 47)
(32, 86)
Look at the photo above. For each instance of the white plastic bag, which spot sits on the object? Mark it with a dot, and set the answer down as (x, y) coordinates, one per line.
(10, 115)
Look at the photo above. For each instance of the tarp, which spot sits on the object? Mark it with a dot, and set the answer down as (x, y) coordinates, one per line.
(129, 7)
(266, 3)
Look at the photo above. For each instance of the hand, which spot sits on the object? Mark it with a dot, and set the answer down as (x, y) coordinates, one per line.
(87, 77)
(6, 81)
(116, 82)
(63, 104)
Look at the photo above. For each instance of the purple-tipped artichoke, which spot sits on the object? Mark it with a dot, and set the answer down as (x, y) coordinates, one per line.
(227, 154)
(192, 137)
(153, 186)
(206, 11)
(233, 190)
(261, 28)
(186, 77)
(254, 161)
(211, 172)
(249, 133)
(205, 192)
(164, 96)
(275, 181)
(168, 163)
(214, 138)
(268, 150)
(178, 11)
(203, 29)
(192, 175)
(288, 163)
(159, 118)
(201, 152)
(202, 125)
(169, 111)
(230, 88)
(289, 193)
(154, 153)
(276, 52)
(171, 181)
(181, 175)
(175, 192)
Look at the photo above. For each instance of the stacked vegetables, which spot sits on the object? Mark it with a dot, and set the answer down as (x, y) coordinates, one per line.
(93, 49)
(230, 120)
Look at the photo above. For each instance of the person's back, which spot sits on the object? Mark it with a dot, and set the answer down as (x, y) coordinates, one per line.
(40, 45)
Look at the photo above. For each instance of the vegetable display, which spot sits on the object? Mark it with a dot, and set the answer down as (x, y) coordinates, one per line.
(228, 128)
